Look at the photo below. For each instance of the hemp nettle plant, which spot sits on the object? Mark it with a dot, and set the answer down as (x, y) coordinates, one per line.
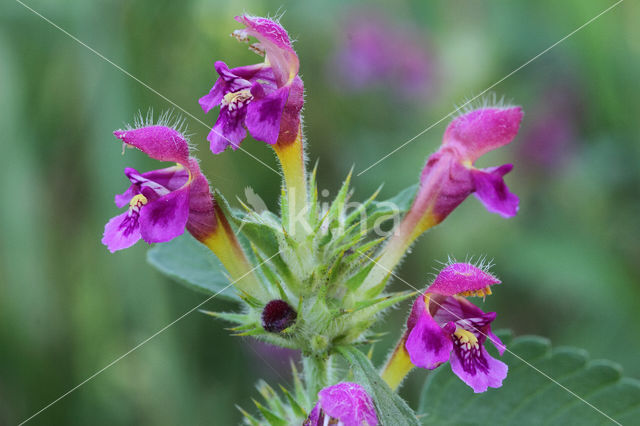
(314, 278)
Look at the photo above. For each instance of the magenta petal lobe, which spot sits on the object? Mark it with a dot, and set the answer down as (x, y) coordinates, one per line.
(314, 418)
(477, 368)
(158, 142)
(165, 218)
(229, 129)
(493, 192)
(428, 346)
(501, 347)
(211, 99)
(482, 130)
(122, 231)
(264, 116)
(348, 403)
(170, 178)
(275, 41)
(461, 278)
(123, 199)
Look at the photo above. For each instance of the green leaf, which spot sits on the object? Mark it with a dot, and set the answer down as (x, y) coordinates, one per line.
(362, 208)
(248, 417)
(231, 317)
(192, 264)
(527, 397)
(354, 282)
(271, 398)
(272, 418)
(373, 306)
(337, 206)
(391, 409)
(266, 239)
(379, 212)
(313, 202)
(295, 405)
(363, 249)
(405, 197)
(401, 202)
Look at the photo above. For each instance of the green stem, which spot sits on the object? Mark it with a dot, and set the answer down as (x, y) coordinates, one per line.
(317, 373)
(224, 244)
(411, 227)
(292, 164)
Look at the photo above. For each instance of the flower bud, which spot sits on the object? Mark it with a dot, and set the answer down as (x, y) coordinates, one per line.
(277, 316)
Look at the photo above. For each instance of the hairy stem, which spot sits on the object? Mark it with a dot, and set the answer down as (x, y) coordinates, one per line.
(406, 234)
(317, 374)
(291, 158)
(224, 244)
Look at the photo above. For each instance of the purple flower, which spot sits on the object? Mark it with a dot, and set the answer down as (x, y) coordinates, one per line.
(265, 98)
(161, 203)
(444, 326)
(345, 403)
(376, 51)
(449, 176)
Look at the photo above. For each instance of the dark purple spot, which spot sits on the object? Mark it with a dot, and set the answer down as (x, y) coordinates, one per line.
(472, 359)
(278, 315)
(130, 223)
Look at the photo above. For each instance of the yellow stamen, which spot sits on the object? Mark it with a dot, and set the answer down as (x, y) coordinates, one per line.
(138, 200)
(479, 293)
(467, 338)
(236, 99)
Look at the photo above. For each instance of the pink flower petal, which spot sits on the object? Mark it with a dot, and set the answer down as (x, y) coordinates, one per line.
(158, 142)
(349, 403)
(275, 41)
(428, 346)
(460, 278)
(478, 369)
(482, 130)
(122, 231)
(264, 115)
(493, 192)
(165, 218)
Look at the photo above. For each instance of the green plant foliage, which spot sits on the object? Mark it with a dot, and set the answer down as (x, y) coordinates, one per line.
(402, 200)
(391, 409)
(279, 409)
(527, 397)
(192, 264)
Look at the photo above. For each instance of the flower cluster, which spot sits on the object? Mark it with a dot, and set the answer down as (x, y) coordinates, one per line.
(320, 288)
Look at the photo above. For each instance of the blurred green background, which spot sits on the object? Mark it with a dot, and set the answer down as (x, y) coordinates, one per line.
(570, 261)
